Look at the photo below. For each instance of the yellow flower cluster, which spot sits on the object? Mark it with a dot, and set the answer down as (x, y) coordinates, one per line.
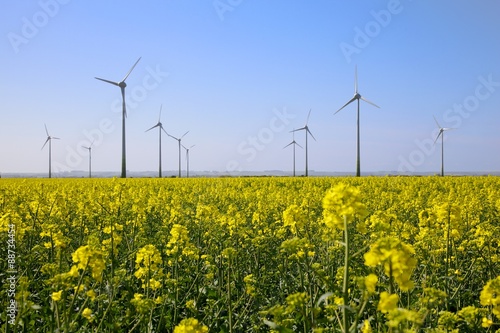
(86, 257)
(397, 259)
(294, 218)
(179, 244)
(148, 264)
(490, 296)
(190, 325)
(342, 201)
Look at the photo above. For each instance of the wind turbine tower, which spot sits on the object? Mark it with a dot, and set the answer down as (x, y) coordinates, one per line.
(49, 140)
(306, 128)
(179, 140)
(357, 97)
(122, 86)
(160, 128)
(89, 148)
(441, 134)
(187, 159)
(294, 143)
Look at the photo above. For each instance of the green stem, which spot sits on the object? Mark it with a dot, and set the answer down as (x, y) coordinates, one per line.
(229, 308)
(447, 263)
(345, 287)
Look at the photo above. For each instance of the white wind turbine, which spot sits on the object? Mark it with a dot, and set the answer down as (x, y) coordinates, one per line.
(357, 97)
(122, 86)
(441, 133)
(306, 128)
(294, 143)
(187, 159)
(179, 140)
(49, 140)
(89, 148)
(160, 128)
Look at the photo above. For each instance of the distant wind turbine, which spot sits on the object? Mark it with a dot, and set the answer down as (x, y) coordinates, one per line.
(187, 159)
(89, 148)
(294, 143)
(160, 128)
(179, 140)
(49, 140)
(441, 133)
(357, 97)
(122, 86)
(306, 128)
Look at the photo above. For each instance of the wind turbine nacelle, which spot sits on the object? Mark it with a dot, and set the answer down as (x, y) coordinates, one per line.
(122, 84)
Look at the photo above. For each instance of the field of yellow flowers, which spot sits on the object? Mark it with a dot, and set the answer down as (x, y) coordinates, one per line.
(375, 254)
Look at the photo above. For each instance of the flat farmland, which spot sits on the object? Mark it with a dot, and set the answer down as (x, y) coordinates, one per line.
(374, 254)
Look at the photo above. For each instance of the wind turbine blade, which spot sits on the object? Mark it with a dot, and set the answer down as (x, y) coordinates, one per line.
(130, 71)
(346, 104)
(308, 115)
(86, 147)
(159, 117)
(298, 145)
(91, 144)
(291, 143)
(439, 126)
(108, 81)
(164, 130)
(184, 134)
(356, 79)
(298, 129)
(46, 131)
(367, 101)
(152, 127)
(192, 146)
(437, 137)
(53, 137)
(308, 131)
(173, 137)
(48, 139)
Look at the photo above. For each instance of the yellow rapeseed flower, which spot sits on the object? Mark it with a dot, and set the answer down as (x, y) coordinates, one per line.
(366, 327)
(87, 313)
(396, 257)
(387, 302)
(86, 256)
(56, 296)
(370, 283)
(490, 295)
(342, 201)
(190, 325)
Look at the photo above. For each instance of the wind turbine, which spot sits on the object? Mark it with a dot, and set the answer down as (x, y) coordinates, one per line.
(179, 139)
(90, 158)
(441, 133)
(294, 143)
(49, 140)
(306, 128)
(160, 128)
(122, 86)
(187, 159)
(357, 97)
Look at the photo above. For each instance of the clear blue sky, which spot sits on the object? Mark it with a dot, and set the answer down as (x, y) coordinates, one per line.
(240, 75)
